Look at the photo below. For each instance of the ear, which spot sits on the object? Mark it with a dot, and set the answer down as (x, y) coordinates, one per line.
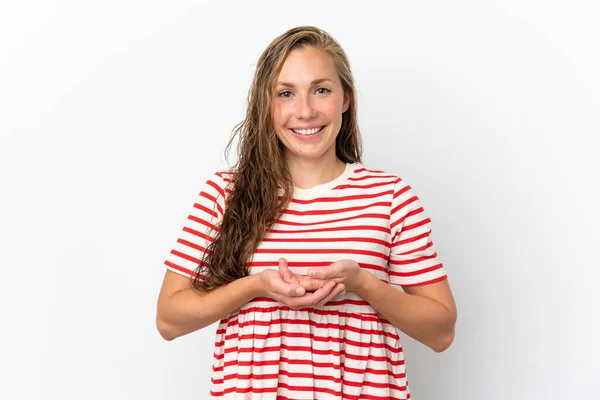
(346, 103)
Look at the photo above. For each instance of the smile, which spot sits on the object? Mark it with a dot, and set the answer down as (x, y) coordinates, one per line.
(308, 132)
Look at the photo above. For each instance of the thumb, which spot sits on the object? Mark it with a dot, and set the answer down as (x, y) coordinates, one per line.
(318, 273)
(284, 270)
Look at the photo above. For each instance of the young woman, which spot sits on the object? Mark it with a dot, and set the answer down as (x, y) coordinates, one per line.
(300, 251)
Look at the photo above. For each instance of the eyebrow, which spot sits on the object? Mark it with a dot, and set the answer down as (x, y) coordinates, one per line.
(315, 82)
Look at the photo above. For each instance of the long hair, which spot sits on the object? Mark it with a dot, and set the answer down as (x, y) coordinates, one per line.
(253, 205)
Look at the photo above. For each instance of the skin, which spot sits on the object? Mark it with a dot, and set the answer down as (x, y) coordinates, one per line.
(308, 92)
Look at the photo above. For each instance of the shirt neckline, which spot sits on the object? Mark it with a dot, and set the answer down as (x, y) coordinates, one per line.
(323, 187)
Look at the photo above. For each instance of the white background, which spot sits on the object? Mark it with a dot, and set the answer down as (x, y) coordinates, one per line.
(114, 113)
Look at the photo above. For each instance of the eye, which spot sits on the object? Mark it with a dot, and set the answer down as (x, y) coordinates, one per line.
(285, 94)
(323, 90)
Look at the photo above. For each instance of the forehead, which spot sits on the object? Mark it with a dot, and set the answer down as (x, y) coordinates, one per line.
(305, 65)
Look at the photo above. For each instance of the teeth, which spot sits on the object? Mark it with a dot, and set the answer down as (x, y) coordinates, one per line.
(307, 131)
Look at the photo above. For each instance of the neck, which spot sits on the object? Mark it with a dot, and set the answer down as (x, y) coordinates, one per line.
(308, 173)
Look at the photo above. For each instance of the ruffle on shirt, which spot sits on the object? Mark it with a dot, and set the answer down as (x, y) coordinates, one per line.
(268, 351)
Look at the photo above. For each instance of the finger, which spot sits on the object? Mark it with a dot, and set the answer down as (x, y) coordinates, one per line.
(310, 299)
(285, 271)
(280, 286)
(318, 273)
(338, 290)
(310, 284)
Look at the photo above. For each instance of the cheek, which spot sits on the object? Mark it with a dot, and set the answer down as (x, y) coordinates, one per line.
(333, 109)
(275, 112)
(279, 114)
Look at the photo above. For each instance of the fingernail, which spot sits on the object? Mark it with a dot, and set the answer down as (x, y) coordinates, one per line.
(299, 291)
(312, 272)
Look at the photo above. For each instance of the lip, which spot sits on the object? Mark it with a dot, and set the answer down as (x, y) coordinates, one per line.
(307, 127)
(308, 137)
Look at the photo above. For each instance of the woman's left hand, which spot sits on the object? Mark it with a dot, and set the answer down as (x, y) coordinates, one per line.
(344, 271)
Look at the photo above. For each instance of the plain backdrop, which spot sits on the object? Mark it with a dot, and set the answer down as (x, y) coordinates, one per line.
(113, 114)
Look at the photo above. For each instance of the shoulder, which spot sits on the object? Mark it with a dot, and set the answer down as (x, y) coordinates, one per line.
(402, 196)
(218, 185)
(375, 176)
(224, 178)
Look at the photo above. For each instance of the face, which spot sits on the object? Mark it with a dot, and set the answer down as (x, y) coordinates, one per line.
(308, 104)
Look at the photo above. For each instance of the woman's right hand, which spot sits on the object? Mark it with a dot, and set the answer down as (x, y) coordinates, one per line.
(298, 291)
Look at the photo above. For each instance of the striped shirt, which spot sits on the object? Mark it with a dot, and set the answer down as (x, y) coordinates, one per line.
(344, 349)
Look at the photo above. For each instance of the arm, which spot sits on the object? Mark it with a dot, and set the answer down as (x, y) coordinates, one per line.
(425, 310)
(182, 310)
(427, 313)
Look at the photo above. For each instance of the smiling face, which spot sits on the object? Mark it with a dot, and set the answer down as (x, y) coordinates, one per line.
(308, 104)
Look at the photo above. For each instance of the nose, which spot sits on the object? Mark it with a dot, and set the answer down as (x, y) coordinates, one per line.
(305, 108)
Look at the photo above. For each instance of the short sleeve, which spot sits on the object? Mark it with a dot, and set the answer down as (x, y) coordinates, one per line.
(413, 259)
(199, 227)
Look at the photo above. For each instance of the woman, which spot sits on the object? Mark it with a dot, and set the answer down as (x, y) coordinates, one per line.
(300, 251)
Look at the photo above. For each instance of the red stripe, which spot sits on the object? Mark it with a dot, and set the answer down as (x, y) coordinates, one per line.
(206, 210)
(289, 361)
(203, 222)
(401, 191)
(347, 396)
(339, 210)
(364, 396)
(301, 388)
(413, 260)
(316, 377)
(417, 272)
(309, 388)
(330, 240)
(441, 278)
(404, 204)
(217, 188)
(341, 328)
(409, 214)
(373, 171)
(275, 362)
(411, 239)
(310, 350)
(322, 251)
(307, 349)
(298, 264)
(422, 248)
(372, 185)
(330, 221)
(198, 233)
(185, 256)
(182, 269)
(416, 225)
(362, 178)
(212, 200)
(340, 198)
(190, 244)
(243, 390)
(329, 304)
(226, 172)
(301, 264)
(374, 372)
(374, 384)
(333, 229)
(305, 335)
(232, 319)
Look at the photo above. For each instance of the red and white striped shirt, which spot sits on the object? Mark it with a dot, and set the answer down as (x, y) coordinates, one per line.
(343, 349)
